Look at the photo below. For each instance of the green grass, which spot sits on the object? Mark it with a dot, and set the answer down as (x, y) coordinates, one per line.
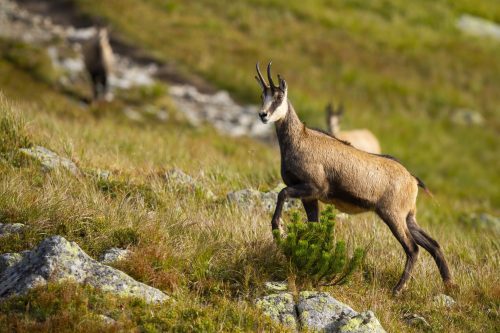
(400, 67)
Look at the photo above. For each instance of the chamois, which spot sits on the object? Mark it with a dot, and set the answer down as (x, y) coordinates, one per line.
(362, 139)
(98, 57)
(319, 167)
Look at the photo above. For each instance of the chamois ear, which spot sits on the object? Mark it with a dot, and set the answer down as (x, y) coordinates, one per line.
(329, 109)
(283, 85)
(340, 109)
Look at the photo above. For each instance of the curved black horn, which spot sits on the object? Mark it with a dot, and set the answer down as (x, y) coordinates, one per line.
(269, 76)
(260, 75)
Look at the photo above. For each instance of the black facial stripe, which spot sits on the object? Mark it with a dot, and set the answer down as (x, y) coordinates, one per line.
(277, 100)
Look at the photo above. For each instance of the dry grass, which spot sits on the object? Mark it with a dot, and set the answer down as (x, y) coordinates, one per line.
(211, 257)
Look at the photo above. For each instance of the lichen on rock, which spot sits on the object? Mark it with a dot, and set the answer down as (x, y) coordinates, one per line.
(11, 228)
(280, 308)
(114, 254)
(57, 260)
(320, 311)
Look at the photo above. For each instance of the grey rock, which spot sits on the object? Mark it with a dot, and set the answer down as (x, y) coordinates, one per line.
(114, 254)
(276, 286)
(133, 114)
(221, 111)
(365, 322)
(280, 308)
(10, 259)
(107, 320)
(467, 117)
(11, 228)
(482, 221)
(416, 320)
(478, 26)
(58, 260)
(443, 300)
(49, 159)
(251, 198)
(319, 311)
(178, 178)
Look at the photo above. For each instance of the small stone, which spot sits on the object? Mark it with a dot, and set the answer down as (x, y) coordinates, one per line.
(280, 308)
(482, 221)
(416, 320)
(178, 178)
(276, 286)
(133, 115)
(58, 260)
(107, 320)
(251, 198)
(11, 228)
(443, 300)
(49, 159)
(467, 117)
(114, 254)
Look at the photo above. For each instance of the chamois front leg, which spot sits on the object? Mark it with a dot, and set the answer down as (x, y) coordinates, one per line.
(311, 207)
(300, 191)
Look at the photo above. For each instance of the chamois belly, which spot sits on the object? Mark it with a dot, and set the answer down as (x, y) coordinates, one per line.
(347, 202)
(345, 207)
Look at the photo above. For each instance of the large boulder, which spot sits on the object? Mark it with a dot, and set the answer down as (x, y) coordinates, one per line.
(50, 160)
(57, 260)
(318, 311)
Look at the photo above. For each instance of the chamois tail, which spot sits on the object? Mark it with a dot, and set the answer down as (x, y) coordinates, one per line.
(421, 184)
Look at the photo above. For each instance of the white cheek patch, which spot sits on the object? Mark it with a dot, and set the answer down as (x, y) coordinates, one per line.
(281, 111)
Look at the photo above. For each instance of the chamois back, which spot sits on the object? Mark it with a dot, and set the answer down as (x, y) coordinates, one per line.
(362, 139)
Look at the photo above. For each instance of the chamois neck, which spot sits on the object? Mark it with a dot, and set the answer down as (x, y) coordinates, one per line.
(290, 128)
(333, 126)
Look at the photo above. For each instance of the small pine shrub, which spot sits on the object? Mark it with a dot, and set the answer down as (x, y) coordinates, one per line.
(313, 252)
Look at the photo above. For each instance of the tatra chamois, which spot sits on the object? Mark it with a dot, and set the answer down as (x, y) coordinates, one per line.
(319, 167)
(98, 57)
(362, 139)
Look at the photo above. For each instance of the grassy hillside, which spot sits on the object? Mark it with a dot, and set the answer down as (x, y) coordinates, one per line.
(400, 68)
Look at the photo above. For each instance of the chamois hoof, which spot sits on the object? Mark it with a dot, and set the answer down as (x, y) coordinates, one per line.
(451, 287)
(396, 292)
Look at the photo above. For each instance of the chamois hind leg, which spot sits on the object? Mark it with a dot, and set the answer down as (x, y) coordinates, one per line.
(312, 209)
(300, 191)
(430, 245)
(399, 229)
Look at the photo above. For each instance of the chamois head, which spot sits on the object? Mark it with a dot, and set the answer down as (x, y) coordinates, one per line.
(333, 117)
(274, 98)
